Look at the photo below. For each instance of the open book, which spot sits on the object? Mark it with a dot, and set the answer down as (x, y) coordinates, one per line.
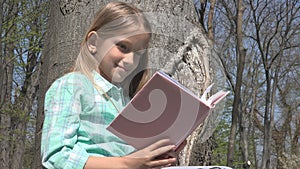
(163, 108)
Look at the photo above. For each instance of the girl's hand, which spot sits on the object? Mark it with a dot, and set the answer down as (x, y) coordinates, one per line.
(174, 153)
(146, 158)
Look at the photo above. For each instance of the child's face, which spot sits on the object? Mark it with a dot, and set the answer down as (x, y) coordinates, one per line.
(121, 56)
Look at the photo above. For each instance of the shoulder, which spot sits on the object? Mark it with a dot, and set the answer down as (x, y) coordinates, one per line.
(73, 78)
(72, 82)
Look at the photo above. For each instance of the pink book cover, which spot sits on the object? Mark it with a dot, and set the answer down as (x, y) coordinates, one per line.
(163, 108)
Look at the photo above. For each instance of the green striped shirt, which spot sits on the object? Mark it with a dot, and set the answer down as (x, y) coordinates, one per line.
(76, 117)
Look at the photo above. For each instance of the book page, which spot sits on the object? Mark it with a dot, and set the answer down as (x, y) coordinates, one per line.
(205, 93)
(216, 98)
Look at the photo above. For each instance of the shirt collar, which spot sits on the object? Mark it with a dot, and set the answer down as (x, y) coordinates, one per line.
(105, 84)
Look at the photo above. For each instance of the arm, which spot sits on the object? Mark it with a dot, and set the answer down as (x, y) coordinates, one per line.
(59, 146)
(142, 159)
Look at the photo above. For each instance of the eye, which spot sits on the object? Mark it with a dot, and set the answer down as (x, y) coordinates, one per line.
(123, 47)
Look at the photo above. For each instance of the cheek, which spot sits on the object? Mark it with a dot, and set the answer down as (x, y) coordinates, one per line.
(115, 54)
(99, 59)
(110, 57)
(106, 51)
(136, 62)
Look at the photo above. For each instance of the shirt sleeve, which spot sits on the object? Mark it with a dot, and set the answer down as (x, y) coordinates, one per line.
(62, 107)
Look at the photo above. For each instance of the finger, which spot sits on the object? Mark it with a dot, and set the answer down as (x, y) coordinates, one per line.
(161, 163)
(158, 144)
(172, 154)
(162, 150)
(163, 156)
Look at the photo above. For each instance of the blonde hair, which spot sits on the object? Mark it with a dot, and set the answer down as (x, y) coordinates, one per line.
(115, 19)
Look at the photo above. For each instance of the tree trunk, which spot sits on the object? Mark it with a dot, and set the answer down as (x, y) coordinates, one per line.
(5, 109)
(5, 122)
(179, 47)
(1, 56)
(4, 118)
(66, 26)
(7, 61)
(236, 110)
(242, 54)
(25, 101)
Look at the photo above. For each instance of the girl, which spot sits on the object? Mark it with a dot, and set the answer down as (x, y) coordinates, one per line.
(109, 70)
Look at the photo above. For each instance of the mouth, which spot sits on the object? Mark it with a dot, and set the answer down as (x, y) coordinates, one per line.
(122, 67)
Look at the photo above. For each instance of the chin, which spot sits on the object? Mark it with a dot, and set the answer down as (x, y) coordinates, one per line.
(118, 79)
